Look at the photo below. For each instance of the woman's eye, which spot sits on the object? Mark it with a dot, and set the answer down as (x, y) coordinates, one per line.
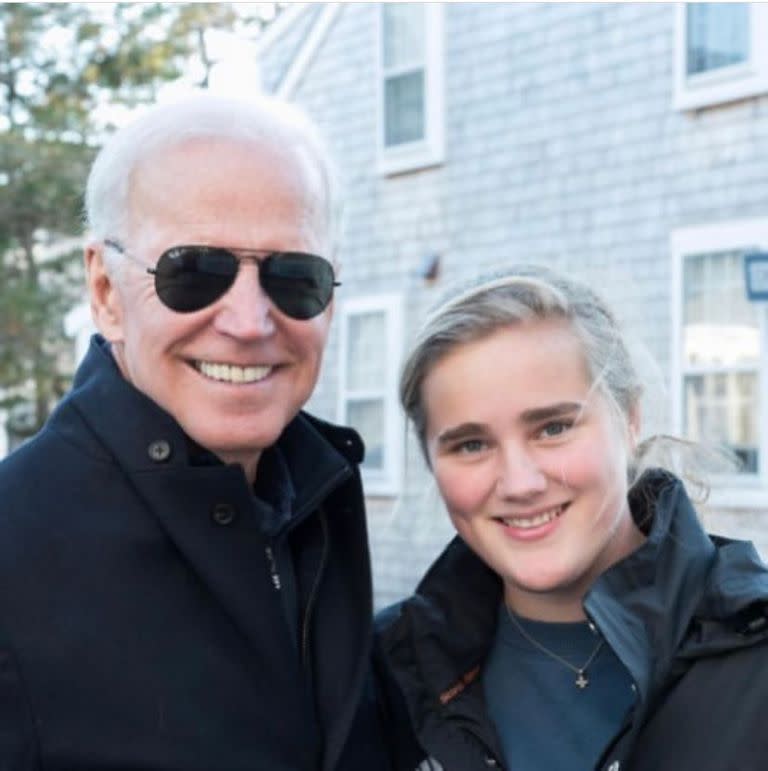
(555, 428)
(469, 446)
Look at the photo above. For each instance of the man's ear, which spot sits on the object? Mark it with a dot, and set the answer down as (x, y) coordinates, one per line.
(106, 304)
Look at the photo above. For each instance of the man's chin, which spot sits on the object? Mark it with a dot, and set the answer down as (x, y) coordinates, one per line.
(237, 438)
(244, 452)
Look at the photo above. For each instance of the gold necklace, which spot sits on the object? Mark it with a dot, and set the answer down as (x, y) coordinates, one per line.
(581, 681)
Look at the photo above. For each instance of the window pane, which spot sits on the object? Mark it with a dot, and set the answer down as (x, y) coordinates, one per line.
(722, 410)
(366, 351)
(718, 35)
(403, 35)
(720, 326)
(404, 108)
(367, 416)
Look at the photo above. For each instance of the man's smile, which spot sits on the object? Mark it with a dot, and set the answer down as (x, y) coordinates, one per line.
(232, 373)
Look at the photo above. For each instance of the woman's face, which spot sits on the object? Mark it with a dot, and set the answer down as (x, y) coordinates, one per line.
(531, 463)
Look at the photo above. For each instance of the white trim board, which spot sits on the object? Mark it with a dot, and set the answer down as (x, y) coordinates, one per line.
(287, 87)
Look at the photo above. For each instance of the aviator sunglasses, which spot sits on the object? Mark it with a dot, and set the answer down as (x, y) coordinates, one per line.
(191, 277)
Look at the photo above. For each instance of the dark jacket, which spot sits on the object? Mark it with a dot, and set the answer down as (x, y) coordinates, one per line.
(687, 615)
(142, 618)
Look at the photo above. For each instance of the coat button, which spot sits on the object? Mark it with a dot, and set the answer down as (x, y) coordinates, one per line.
(491, 762)
(223, 513)
(159, 450)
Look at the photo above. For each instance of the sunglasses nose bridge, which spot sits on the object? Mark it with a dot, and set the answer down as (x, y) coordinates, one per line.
(245, 308)
(254, 262)
(249, 260)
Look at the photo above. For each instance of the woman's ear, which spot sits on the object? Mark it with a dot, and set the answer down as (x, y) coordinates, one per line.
(106, 304)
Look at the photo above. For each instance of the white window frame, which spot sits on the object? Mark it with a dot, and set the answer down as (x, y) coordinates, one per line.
(725, 84)
(733, 490)
(388, 480)
(429, 151)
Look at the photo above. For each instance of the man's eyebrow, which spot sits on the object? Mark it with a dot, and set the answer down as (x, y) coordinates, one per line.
(460, 432)
(559, 410)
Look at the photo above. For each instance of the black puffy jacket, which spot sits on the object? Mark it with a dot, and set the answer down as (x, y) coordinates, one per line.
(686, 613)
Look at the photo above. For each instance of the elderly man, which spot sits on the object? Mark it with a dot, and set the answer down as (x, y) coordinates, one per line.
(184, 574)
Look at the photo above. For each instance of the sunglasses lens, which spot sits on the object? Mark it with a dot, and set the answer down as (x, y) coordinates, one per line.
(189, 278)
(300, 285)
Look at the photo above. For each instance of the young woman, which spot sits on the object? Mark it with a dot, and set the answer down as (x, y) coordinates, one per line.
(581, 619)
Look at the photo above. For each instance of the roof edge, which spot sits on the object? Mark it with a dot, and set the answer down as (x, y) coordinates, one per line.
(309, 48)
(275, 29)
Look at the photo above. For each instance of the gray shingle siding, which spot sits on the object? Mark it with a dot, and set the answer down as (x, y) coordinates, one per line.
(562, 147)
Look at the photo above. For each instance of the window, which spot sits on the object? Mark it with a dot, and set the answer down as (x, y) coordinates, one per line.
(720, 53)
(720, 345)
(721, 354)
(410, 86)
(371, 349)
(717, 36)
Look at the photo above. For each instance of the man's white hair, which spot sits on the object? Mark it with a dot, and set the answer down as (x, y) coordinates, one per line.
(203, 116)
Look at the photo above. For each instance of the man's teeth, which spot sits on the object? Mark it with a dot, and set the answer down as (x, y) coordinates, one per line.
(536, 521)
(231, 373)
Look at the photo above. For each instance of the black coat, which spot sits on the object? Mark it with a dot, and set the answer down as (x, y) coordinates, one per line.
(142, 623)
(687, 614)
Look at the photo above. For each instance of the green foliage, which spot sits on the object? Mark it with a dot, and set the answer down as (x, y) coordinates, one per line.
(62, 68)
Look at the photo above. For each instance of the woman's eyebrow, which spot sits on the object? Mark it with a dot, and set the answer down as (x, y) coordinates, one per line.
(534, 415)
(550, 411)
(460, 432)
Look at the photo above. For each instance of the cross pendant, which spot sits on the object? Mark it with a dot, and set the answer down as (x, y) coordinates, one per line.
(581, 681)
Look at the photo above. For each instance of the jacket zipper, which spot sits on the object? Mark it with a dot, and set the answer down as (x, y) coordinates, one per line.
(273, 571)
(490, 760)
(315, 586)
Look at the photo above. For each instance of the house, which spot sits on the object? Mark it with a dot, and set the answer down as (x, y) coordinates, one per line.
(624, 143)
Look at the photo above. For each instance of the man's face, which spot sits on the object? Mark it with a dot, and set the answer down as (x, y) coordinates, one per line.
(218, 193)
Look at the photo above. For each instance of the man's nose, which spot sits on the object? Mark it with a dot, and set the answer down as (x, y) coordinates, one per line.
(245, 311)
(519, 473)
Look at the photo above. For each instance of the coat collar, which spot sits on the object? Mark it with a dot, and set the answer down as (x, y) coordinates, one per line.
(644, 604)
(150, 439)
(674, 596)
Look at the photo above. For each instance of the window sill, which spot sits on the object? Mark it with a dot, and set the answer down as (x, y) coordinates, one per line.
(409, 158)
(703, 93)
(748, 496)
(377, 488)
(381, 483)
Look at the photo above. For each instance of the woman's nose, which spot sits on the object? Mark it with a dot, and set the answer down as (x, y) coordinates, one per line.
(519, 474)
